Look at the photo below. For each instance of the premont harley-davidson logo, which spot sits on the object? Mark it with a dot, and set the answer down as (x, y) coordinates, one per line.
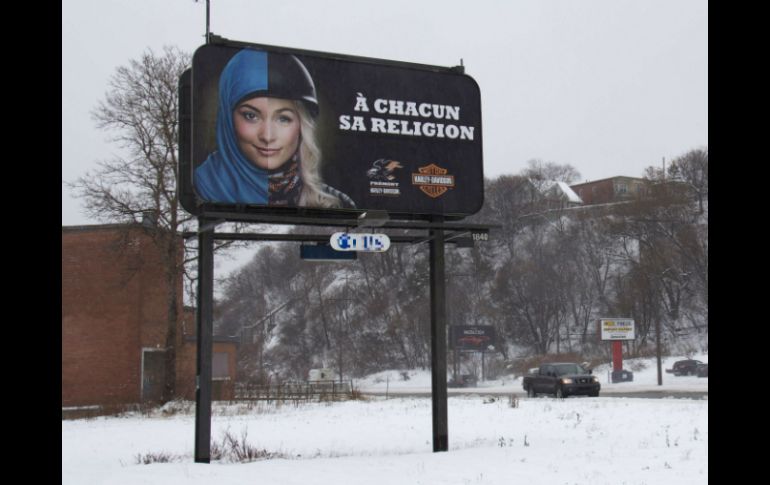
(433, 180)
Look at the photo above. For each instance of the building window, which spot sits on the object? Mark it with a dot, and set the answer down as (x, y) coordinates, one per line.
(221, 366)
(622, 188)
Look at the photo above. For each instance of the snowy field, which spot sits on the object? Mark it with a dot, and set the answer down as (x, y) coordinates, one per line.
(576, 441)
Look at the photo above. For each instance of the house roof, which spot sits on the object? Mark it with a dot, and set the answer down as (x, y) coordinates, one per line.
(97, 227)
(561, 188)
(589, 182)
(571, 195)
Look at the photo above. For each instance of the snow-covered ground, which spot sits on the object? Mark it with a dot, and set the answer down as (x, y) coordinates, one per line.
(576, 441)
(644, 370)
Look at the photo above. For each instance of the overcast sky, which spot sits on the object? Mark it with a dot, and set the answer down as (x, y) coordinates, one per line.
(608, 86)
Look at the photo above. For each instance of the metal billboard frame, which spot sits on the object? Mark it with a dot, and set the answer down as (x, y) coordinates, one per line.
(439, 229)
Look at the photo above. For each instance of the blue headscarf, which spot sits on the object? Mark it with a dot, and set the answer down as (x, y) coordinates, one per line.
(226, 175)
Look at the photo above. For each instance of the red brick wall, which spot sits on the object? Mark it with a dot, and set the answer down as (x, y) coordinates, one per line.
(186, 370)
(113, 305)
(228, 386)
(186, 357)
(599, 192)
(186, 365)
(608, 190)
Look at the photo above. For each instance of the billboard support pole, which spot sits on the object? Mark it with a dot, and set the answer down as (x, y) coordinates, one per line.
(204, 341)
(438, 338)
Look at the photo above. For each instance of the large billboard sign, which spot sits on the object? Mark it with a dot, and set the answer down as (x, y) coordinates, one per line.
(480, 338)
(275, 130)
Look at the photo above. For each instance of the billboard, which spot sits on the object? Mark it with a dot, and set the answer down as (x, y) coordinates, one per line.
(617, 328)
(472, 337)
(276, 130)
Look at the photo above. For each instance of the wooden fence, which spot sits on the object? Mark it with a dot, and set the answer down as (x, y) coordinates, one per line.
(294, 391)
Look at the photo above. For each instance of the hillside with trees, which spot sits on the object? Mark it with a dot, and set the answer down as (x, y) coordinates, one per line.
(542, 280)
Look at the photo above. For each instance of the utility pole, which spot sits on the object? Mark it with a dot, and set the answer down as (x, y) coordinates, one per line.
(657, 351)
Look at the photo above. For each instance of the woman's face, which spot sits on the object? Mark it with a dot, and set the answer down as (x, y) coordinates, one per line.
(267, 131)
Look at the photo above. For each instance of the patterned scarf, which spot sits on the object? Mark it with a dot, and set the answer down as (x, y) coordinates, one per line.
(284, 184)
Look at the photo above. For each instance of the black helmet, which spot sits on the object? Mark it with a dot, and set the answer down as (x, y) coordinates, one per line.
(288, 78)
(251, 73)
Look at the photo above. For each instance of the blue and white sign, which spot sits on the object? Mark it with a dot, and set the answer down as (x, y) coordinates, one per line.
(344, 241)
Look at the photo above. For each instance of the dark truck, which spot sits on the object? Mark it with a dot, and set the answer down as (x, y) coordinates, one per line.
(561, 380)
(687, 367)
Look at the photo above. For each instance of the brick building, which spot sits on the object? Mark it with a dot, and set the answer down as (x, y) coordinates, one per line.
(114, 321)
(224, 354)
(612, 189)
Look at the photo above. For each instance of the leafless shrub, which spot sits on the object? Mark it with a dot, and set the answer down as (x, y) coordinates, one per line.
(156, 457)
(239, 450)
(357, 395)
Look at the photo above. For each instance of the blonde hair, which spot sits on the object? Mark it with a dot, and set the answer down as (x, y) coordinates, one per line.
(312, 194)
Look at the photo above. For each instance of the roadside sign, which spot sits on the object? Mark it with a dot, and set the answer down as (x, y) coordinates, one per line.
(366, 242)
(472, 337)
(617, 329)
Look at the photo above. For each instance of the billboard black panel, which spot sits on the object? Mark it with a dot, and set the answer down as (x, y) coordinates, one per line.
(324, 252)
(472, 337)
(283, 131)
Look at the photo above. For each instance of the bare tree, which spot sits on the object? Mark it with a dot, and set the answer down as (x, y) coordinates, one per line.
(140, 112)
(667, 250)
(538, 170)
(547, 274)
(507, 200)
(692, 168)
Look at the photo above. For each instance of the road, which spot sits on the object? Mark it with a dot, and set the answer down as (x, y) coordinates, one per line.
(650, 394)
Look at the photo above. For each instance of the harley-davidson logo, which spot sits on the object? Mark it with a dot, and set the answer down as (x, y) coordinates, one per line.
(433, 180)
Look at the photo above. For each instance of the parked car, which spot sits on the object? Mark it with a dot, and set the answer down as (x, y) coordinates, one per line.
(464, 380)
(687, 367)
(702, 370)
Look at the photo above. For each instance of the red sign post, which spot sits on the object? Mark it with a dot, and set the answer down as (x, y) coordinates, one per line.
(617, 330)
(617, 356)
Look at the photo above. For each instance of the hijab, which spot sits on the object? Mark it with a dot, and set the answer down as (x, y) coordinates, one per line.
(226, 175)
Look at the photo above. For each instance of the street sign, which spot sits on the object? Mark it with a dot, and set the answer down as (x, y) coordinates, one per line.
(322, 252)
(344, 241)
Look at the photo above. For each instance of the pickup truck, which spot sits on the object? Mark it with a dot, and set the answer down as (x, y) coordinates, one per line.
(561, 380)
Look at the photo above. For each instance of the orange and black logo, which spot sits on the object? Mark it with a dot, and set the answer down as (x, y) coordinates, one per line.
(433, 180)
